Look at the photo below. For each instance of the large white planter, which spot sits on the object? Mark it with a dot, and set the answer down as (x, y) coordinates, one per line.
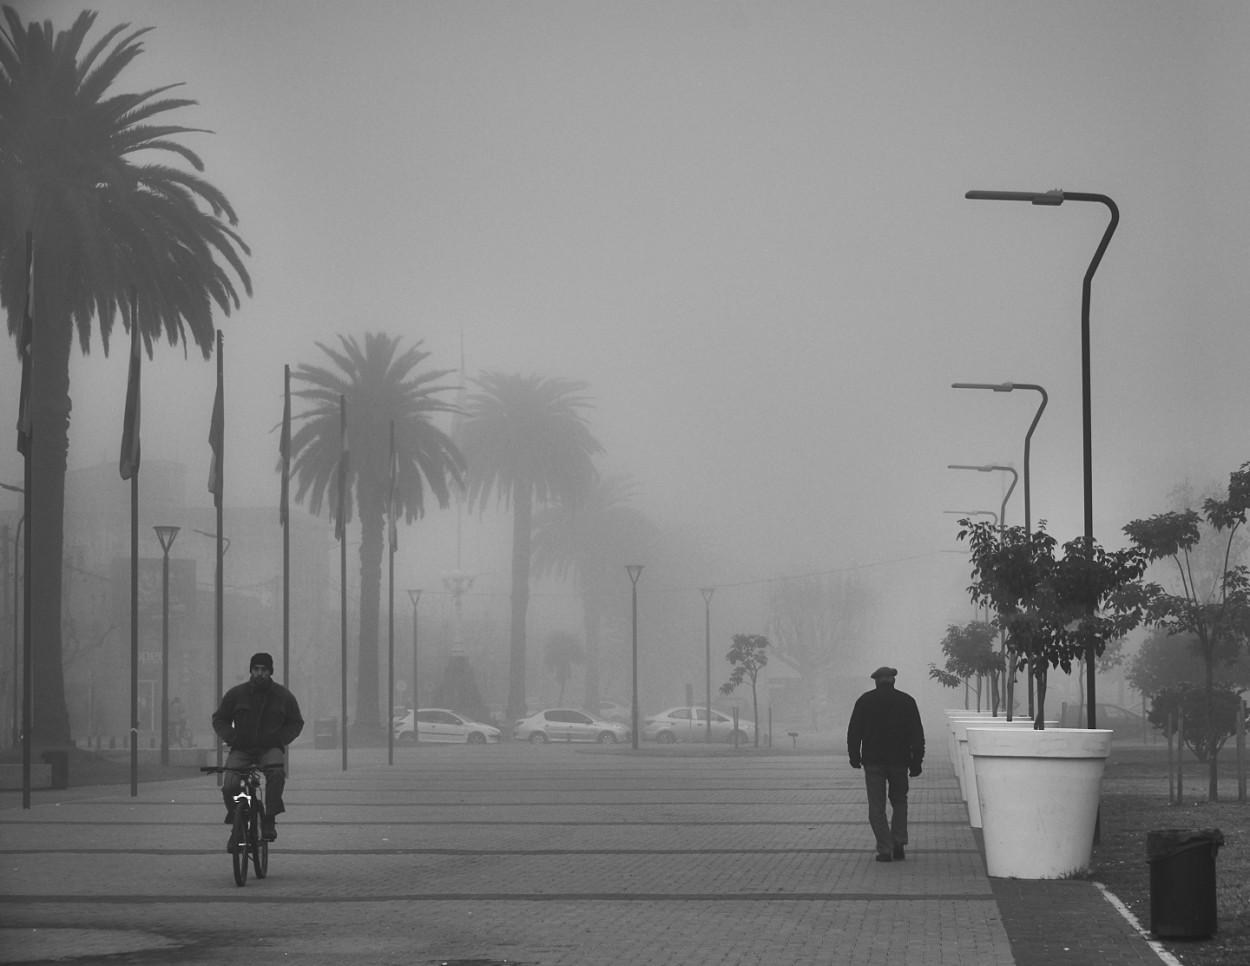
(962, 726)
(952, 743)
(1038, 793)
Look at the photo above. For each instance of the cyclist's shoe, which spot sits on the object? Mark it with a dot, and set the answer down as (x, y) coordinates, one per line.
(269, 831)
(232, 846)
(230, 816)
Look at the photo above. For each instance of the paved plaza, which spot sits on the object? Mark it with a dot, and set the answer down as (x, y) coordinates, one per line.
(535, 856)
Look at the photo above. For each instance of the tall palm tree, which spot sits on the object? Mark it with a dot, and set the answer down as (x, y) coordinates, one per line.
(592, 542)
(102, 220)
(526, 442)
(380, 383)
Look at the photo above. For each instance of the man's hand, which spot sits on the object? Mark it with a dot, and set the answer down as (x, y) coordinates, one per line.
(855, 763)
(914, 770)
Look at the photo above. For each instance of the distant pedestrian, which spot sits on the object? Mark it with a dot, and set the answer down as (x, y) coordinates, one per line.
(886, 737)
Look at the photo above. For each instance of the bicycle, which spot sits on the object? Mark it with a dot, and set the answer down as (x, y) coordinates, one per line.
(247, 839)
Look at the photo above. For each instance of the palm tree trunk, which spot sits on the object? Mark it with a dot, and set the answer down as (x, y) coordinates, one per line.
(372, 526)
(522, 522)
(50, 402)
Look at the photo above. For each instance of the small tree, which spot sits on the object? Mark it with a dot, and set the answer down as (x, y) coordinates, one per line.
(562, 652)
(1210, 716)
(748, 659)
(969, 650)
(1054, 610)
(1215, 614)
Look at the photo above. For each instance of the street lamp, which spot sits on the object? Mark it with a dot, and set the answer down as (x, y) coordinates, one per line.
(1058, 197)
(634, 570)
(1028, 437)
(987, 468)
(707, 652)
(414, 596)
(166, 536)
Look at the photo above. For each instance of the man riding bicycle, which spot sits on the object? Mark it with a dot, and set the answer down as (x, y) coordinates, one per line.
(258, 719)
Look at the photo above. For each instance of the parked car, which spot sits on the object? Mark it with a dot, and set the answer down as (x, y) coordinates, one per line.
(565, 724)
(440, 724)
(690, 724)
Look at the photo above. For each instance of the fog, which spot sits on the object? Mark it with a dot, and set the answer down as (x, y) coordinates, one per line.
(744, 228)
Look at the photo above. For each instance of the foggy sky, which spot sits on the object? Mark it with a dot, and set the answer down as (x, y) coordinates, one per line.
(744, 227)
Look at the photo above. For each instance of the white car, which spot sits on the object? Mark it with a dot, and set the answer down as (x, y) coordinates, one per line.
(566, 724)
(691, 724)
(440, 724)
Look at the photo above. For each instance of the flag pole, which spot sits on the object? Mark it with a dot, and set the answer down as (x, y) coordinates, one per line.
(390, 614)
(25, 444)
(130, 468)
(284, 514)
(342, 535)
(217, 436)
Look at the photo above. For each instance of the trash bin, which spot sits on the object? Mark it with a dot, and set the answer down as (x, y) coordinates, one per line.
(58, 758)
(1182, 881)
(326, 733)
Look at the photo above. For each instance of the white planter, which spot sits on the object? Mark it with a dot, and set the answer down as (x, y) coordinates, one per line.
(1038, 793)
(952, 743)
(962, 726)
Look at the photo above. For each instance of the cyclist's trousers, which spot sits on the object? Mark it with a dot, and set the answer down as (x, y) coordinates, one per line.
(272, 761)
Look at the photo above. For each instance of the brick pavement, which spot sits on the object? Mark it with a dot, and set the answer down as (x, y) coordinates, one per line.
(549, 856)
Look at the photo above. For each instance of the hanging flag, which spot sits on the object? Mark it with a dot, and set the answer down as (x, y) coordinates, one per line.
(216, 439)
(24, 423)
(340, 519)
(128, 463)
(392, 529)
(284, 449)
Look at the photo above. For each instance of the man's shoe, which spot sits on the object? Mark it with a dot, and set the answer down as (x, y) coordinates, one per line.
(882, 857)
(269, 831)
(231, 845)
(230, 816)
(899, 854)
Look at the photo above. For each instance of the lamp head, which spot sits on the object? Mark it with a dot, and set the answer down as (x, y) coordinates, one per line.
(1052, 197)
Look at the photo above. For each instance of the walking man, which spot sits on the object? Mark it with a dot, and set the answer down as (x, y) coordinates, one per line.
(886, 737)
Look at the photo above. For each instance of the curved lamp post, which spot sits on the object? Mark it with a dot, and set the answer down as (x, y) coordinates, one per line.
(987, 468)
(166, 536)
(1028, 437)
(1050, 199)
(707, 652)
(634, 570)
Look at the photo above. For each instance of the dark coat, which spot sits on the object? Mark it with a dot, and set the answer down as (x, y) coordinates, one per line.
(885, 729)
(251, 718)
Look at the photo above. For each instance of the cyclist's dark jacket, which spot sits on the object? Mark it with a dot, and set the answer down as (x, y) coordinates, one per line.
(885, 729)
(251, 718)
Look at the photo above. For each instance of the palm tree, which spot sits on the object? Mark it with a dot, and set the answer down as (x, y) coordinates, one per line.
(101, 221)
(525, 441)
(593, 541)
(380, 384)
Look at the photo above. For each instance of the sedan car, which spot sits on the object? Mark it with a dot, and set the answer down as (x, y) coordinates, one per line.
(565, 724)
(440, 724)
(691, 724)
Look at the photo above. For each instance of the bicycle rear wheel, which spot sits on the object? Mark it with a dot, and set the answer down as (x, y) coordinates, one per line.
(260, 848)
(240, 846)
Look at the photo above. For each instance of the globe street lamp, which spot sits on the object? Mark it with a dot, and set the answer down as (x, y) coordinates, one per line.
(1028, 437)
(634, 570)
(414, 596)
(1052, 198)
(166, 536)
(707, 653)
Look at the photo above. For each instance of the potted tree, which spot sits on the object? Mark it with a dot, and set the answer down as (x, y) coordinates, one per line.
(1053, 610)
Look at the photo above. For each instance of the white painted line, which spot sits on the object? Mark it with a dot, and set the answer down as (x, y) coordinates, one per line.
(1122, 909)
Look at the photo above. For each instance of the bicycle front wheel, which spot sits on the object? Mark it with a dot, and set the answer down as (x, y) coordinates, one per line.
(240, 844)
(260, 848)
